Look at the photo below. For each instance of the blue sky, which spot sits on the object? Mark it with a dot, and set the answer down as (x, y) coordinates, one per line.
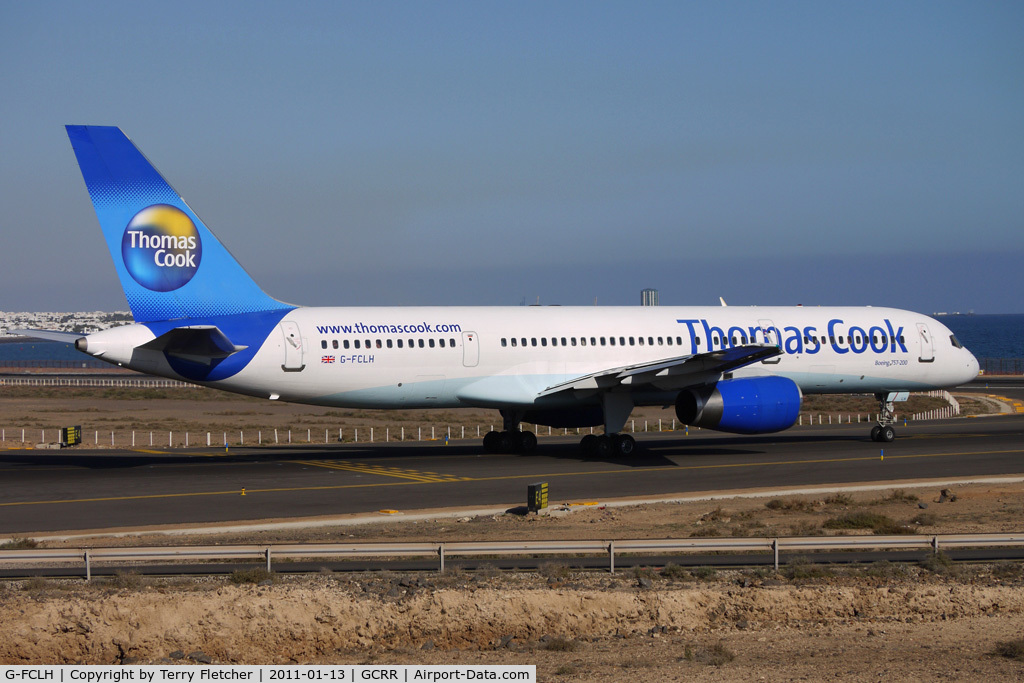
(490, 153)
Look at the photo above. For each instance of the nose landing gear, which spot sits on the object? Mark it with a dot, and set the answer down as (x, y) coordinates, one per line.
(883, 431)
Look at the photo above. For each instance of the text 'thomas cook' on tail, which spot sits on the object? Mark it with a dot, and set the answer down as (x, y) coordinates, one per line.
(171, 266)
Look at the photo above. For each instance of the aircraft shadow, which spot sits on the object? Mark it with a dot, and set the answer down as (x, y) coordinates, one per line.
(659, 452)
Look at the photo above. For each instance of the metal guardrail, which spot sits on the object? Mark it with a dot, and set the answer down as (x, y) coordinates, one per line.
(268, 553)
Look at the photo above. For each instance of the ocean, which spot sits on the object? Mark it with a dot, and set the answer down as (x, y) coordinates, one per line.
(987, 336)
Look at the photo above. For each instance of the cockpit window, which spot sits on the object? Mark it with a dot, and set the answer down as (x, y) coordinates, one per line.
(955, 341)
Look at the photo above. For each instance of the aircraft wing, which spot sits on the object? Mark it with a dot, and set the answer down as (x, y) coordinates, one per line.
(669, 373)
(49, 335)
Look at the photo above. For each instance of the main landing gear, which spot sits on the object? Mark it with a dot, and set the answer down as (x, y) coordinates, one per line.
(510, 439)
(883, 431)
(607, 445)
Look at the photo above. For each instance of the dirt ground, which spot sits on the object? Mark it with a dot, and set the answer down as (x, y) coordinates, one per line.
(918, 621)
(921, 621)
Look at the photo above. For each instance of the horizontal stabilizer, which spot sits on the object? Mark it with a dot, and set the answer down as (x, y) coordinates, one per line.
(203, 344)
(50, 335)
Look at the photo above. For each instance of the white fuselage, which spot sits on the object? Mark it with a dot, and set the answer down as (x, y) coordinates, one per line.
(501, 357)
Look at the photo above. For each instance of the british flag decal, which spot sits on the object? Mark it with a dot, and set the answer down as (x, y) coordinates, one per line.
(327, 359)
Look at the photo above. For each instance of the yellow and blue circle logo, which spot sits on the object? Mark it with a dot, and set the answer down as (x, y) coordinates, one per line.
(161, 248)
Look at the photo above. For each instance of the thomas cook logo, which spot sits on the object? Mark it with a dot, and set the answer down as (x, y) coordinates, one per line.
(161, 248)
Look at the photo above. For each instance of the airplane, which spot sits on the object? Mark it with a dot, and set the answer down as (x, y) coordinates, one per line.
(201, 318)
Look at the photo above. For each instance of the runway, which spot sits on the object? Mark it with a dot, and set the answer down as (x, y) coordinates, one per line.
(47, 491)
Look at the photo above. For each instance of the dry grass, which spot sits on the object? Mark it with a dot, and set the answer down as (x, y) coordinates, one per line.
(1011, 649)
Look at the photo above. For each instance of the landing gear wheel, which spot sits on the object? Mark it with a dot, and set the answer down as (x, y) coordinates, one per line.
(875, 431)
(588, 445)
(527, 442)
(510, 442)
(624, 444)
(492, 442)
(604, 446)
(886, 434)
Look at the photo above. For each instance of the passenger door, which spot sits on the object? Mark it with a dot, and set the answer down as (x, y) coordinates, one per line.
(470, 349)
(294, 360)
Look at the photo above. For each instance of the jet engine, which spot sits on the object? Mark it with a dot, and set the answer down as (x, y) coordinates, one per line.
(755, 405)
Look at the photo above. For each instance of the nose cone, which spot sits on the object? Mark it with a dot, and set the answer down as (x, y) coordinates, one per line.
(972, 367)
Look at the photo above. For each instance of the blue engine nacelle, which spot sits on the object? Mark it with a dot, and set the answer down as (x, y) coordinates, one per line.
(757, 405)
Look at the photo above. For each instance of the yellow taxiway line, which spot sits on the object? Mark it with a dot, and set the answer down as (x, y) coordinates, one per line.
(409, 480)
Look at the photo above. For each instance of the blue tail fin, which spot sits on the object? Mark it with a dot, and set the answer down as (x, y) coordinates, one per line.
(170, 264)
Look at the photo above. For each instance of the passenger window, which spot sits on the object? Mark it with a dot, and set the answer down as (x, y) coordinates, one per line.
(670, 341)
(573, 340)
(543, 341)
(345, 343)
(334, 343)
(379, 345)
(323, 344)
(524, 341)
(602, 341)
(661, 341)
(389, 343)
(441, 342)
(611, 341)
(679, 341)
(399, 343)
(563, 342)
(504, 342)
(513, 341)
(431, 343)
(357, 343)
(451, 343)
(583, 341)
(421, 343)
(533, 341)
(593, 341)
(632, 341)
